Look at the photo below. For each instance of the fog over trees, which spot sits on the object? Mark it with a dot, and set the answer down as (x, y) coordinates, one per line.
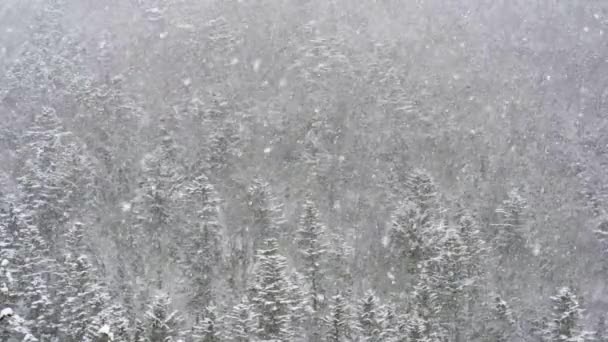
(303, 170)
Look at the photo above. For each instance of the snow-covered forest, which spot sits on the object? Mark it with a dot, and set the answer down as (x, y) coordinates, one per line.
(303, 170)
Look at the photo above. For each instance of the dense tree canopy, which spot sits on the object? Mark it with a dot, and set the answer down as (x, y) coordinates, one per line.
(303, 170)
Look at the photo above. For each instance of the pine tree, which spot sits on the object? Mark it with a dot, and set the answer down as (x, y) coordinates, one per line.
(267, 213)
(406, 240)
(7, 257)
(161, 324)
(422, 191)
(32, 270)
(139, 334)
(239, 323)
(426, 307)
(339, 253)
(83, 298)
(203, 244)
(51, 177)
(510, 240)
(564, 325)
(28, 84)
(474, 256)
(448, 281)
(13, 327)
(311, 235)
(206, 326)
(338, 322)
(300, 306)
(270, 294)
(369, 326)
(416, 329)
(389, 322)
(115, 320)
(414, 229)
(601, 234)
(501, 326)
(162, 175)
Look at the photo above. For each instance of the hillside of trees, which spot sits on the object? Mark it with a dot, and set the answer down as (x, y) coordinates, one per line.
(303, 170)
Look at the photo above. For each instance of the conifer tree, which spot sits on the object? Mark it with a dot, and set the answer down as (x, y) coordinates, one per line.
(270, 294)
(162, 175)
(239, 323)
(338, 322)
(203, 243)
(510, 240)
(474, 254)
(311, 246)
(417, 329)
(406, 240)
(426, 306)
(448, 281)
(369, 326)
(339, 254)
(114, 317)
(390, 323)
(564, 324)
(162, 324)
(501, 326)
(300, 306)
(49, 175)
(422, 191)
(267, 213)
(8, 294)
(32, 270)
(13, 327)
(206, 327)
(83, 298)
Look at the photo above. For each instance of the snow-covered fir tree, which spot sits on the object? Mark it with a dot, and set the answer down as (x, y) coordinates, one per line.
(339, 254)
(510, 238)
(49, 174)
(338, 323)
(311, 246)
(13, 328)
(369, 323)
(112, 321)
(426, 306)
(207, 328)
(32, 269)
(447, 280)
(240, 323)
(300, 306)
(422, 191)
(564, 322)
(501, 325)
(162, 175)
(161, 322)
(203, 244)
(270, 294)
(406, 240)
(391, 324)
(267, 212)
(83, 297)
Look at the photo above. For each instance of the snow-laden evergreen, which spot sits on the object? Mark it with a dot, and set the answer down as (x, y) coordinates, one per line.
(270, 294)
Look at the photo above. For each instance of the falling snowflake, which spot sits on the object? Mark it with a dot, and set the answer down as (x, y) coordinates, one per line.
(125, 206)
(256, 65)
